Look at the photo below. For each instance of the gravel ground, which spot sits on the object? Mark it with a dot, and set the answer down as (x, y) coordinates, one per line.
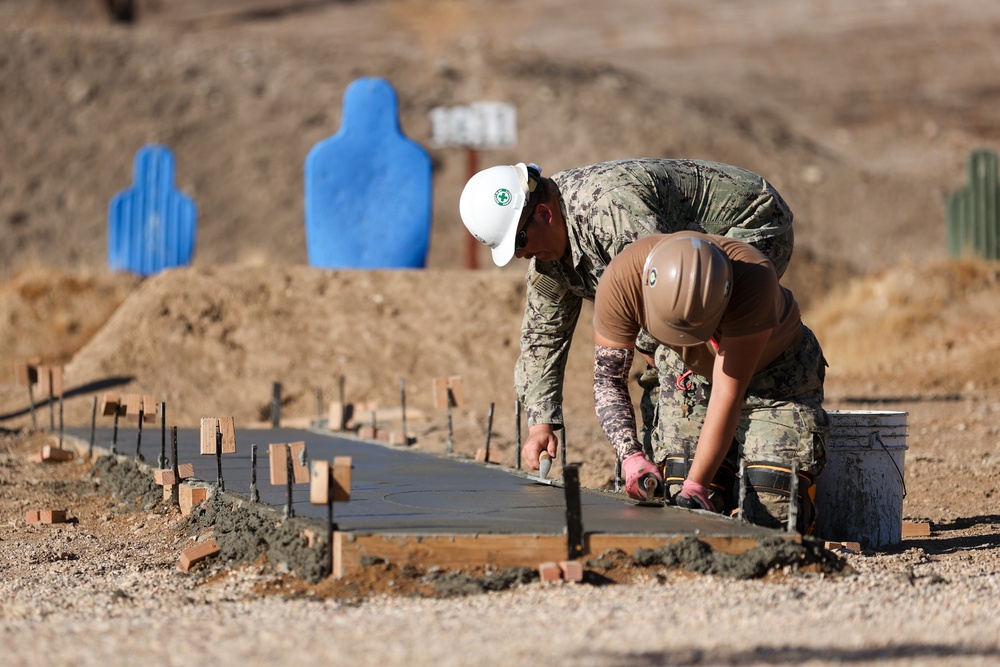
(104, 589)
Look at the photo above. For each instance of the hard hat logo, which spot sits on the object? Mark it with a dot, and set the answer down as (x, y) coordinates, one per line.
(503, 197)
(652, 277)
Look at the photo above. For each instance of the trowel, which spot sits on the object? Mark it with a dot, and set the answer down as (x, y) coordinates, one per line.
(544, 465)
(652, 485)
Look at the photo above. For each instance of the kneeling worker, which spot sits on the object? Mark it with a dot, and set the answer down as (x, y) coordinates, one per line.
(751, 386)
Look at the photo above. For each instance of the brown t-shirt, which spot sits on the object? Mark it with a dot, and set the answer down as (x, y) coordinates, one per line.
(758, 302)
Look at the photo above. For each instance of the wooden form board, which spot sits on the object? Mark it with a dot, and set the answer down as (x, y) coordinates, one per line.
(226, 426)
(26, 371)
(109, 404)
(501, 551)
(441, 387)
(327, 479)
(50, 380)
(277, 454)
(150, 409)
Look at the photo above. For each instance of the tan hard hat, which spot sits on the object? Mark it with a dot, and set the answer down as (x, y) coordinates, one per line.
(686, 284)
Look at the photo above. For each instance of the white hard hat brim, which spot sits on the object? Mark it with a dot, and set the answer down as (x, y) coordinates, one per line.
(504, 252)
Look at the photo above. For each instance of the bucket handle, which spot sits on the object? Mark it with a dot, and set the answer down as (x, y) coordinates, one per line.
(871, 444)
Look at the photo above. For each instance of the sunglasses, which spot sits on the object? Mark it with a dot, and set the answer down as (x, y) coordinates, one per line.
(521, 240)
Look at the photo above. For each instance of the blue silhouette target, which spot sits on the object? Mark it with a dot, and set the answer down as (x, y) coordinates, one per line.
(368, 188)
(151, 226)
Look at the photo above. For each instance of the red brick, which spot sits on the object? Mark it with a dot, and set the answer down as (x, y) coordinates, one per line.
(572, 570)
(52, 516)
(197, 553)
(550, 571)
(56, 455)
(189, 496)
(33, 516)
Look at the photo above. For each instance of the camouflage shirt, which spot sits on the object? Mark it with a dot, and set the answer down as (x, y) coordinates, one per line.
(608, 205)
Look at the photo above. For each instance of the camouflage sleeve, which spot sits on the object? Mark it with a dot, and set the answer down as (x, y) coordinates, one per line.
(550, 315)
(612, 400)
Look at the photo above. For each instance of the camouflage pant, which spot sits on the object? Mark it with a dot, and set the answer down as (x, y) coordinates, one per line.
(782, 421)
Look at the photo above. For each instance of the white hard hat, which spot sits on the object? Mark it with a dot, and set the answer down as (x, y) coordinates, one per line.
(491, 206)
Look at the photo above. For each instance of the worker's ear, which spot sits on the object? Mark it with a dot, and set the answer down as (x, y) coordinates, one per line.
(545, 211)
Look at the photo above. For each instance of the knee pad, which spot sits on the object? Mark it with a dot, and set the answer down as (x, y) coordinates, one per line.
(769, 493)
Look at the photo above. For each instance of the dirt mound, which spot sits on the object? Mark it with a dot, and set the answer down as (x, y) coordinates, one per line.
(913, 329)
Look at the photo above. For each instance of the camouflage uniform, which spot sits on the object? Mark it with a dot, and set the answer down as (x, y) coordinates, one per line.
(782, 421)
(608, 205)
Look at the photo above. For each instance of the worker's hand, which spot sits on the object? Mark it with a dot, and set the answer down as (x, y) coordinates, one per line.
(540, 437)
(636, 467)
(694, 496)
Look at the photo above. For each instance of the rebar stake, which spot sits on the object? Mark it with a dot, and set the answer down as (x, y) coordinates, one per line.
(742, 498)
(138, 436)
(402, 405)
(574, 513)
(618, 475)
(319, 407)
(451, 430)
(114, 436)
(31, 406)
(290, 475)
(517, 433)
(254, 494)
(343, 405)
(93, 427)
(52, 407)
(563, 446)
(175, 494)
(161, 462)
(489, 432)
(221, 483)
(60, 421)
(276, 405)
(793, 499)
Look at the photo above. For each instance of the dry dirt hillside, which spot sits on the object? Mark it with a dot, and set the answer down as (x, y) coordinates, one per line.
(857, 112)
(861, 112)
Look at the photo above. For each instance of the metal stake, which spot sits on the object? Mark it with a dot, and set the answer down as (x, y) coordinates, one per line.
(574, 513)
(563, 445)
(343, 405)
(793, 499)
(254, 494)
(451, 432)
(138, 437)
(289, 513)
(60, 421)
(175, 495)
(52, 408)
(517, 433)
(93, 426)
(276, 406)
(31, 406)
(489, 431)
(618, 475)
(161, 462)
(402, 403)
(221, 483)
(114, 436)
(742, 498)
(319, 407)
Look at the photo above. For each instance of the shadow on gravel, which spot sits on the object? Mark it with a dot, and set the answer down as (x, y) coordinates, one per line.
(798, 655)
(940, 543)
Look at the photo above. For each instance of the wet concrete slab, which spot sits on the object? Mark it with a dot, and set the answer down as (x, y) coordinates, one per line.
(399, 491)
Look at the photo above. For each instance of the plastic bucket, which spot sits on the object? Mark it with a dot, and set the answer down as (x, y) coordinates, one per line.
(859, 495)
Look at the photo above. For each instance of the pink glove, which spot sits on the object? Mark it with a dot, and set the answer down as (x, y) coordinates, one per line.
(694, 496)
(636, 467)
